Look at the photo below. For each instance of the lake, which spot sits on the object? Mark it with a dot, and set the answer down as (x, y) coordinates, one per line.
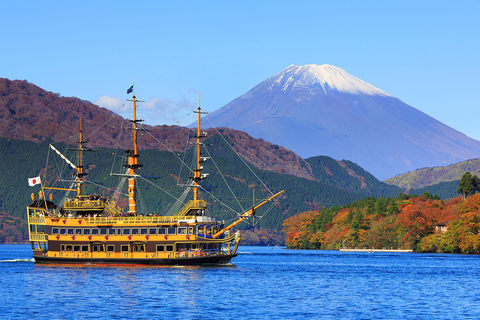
(261, 283)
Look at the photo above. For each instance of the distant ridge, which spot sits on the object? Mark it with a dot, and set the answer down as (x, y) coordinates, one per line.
(323, 110)
(425, 177)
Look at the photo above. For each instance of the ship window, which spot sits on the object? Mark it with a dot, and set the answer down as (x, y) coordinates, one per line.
(110, 248)
(160, 248)
(111, 231)
(78, 231)
(63, 231)
(162, 231)
(69, 231)
(126, 231)
(143, 231)
(62, 247)
(124, 247)
(103, 230)
(152, 231)
(190, 230)
(134, 231)
(182, 230)
(76, 248)
(171, 230)
(94, 231)
(55, 231)
(68, 247)
(100, 247)
(84, 248)
(86, 231)
(183, 246)
(138, 247)
(169, 248)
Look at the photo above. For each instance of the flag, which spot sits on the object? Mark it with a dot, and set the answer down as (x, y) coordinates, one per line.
(33, 181)
(130, 90)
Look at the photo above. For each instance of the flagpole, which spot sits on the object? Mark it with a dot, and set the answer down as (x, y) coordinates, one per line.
(44, 195)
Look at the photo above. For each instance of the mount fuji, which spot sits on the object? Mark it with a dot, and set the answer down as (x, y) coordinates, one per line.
(323, 110)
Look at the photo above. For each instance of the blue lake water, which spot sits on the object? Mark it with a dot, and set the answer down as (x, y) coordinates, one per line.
(261, 283)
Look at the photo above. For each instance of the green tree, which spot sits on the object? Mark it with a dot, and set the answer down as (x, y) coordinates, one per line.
(467, 185)
(476, 183)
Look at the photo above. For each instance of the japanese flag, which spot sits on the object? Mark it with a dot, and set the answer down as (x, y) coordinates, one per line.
(33, 181)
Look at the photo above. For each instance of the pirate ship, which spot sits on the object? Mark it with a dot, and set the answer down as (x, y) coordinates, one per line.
(84, 229)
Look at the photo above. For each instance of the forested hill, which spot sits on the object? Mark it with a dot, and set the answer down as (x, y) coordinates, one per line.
(30, 113)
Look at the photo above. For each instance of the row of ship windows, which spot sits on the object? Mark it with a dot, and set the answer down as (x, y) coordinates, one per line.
(134, 247)
(122, 231)
(111, 248)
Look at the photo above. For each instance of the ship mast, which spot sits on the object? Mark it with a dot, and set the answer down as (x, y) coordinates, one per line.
(133, 159)
(197, 172)
(80, 172)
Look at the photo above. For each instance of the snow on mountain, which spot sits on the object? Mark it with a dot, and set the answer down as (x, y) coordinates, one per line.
(325, 77)
(323, 110)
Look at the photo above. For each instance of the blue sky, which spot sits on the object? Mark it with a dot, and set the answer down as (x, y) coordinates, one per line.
(426, 53)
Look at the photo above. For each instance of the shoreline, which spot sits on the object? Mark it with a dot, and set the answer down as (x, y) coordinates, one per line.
(374, 250)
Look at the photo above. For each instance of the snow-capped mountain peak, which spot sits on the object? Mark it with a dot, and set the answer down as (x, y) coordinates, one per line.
(323, 110)
(324, 77)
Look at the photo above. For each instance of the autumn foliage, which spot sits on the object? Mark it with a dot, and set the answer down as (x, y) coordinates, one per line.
(422, 223)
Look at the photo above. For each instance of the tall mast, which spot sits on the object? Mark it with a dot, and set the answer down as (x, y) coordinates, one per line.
(80, 173)
(79, 168)
(197, 172)
(133, 159)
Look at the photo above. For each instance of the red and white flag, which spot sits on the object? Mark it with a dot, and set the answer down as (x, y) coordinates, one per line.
(33, 181)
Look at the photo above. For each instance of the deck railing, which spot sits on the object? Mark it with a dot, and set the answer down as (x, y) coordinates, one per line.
(126, 220)
(138, 220)
(38, 237)
(84, 204)
(32, 220)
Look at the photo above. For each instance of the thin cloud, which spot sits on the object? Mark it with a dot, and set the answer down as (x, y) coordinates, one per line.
(156, 111)
(166, 111)
(111, 103)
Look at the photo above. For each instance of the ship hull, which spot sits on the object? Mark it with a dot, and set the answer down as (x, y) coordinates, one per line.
(191, 261)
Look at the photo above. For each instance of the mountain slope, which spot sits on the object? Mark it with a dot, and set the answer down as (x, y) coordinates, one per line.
(322, 110)
(346, 175)
(425, 177)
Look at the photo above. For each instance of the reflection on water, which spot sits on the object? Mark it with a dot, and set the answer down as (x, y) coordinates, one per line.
(262, 282)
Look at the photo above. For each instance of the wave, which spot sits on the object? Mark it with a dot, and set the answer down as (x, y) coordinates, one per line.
(19, 260)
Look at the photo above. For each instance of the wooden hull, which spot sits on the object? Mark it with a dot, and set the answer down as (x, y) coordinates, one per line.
(219, 259)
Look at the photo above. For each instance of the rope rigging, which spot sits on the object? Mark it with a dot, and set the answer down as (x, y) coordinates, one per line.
(179, 201)
(238, 155)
